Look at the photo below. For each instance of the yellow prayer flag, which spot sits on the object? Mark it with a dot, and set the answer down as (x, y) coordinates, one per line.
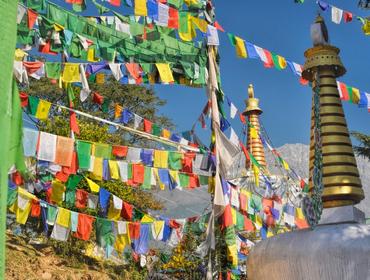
(191, 2)
(94, 187)
(147, 219)
(256, 172)
(282, 62)
(91, 55)
(122, 240)
(57, 192)
(299, 214)
(270, 234)
(64, 217)
(285, 165)
(140, 8)
(190, 34)
(258, 222)
(356, 95)
(160, 159)
(98, 169)
(117, 111)
(100, 78)
(113, 213)
(253, 132)
(19, 54)
(157, 226)
(241, 51)
(113, 168)
(232, 254)
(200, 23)
(156, 175)
(58, 27)
(71, 73)
(233, 214)
(21, 215)
(165, 72)
(166, 133)
(43, 108)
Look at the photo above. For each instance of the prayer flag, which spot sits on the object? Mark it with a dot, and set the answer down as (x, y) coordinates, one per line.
(47, 147)
(343, 91)
(165, 72)
(336, 15)
(64, 151)
(140, 8)
(71, 73)
(43, 109)
(347, 16)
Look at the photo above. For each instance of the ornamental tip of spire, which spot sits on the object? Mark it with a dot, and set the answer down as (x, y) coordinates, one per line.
(250, 91)
(319, 18)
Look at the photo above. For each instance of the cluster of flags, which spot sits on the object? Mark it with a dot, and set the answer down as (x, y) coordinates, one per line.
(112, 234)
(136, 167)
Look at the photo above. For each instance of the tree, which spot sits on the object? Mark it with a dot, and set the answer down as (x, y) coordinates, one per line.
(363, 149)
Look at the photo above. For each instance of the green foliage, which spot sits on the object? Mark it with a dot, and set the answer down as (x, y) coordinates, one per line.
(363, 149)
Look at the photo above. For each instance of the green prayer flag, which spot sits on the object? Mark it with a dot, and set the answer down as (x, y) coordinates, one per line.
(147, 178)
(156, 129)
(79, 7)
(256, 202)
(104, 232)
(33, 103)
(37, 5)
(52, 213)
(103, 150)
(232, 38)
(105, 105)
(230, 236)
(73, 181)
(136, 28)
(175, 160)
(83, 154)
(350, 94)
(11, 148)
(239, 221)
(184, 180)
(102, 9)
(203, 180)
(12, 196)
(183, 22)
(129, 171)
(176, 3)
(70, 198)
(53, 69)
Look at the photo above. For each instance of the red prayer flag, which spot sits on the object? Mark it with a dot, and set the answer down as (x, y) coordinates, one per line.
(84, 226)
(242, 118)
(301, 223)
(61, 176)
(115, 2)
(227, 217)
(218, 26)
(24, 99)
(81, 198)
(173, 18)
(248, 224)
(347, 16)
(138, 174)
(119, 151)
(126, 211)
(134, 230)
(303, 81)
(245, 151)
(32, 66)
(78, 2)
(32, 17)
(344, 91)
(270, 62)
(97, 98)
(193, 181)
(46, 48)
(147, 126)
(35, 208)
(17, 178)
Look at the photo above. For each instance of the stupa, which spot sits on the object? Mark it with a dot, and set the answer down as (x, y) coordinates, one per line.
(339, 247)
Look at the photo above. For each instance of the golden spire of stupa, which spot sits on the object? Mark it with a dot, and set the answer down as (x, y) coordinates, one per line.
(254, 143)
(340, 177)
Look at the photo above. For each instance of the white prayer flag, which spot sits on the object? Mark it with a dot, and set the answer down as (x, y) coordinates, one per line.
(212, 36)
(163, 15)
(116, 70)
(233, 110)
(336, 15)
(47, 147)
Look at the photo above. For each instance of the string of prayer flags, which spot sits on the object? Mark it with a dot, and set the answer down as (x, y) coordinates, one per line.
(65, 222)
(338, 15)
(270, 59)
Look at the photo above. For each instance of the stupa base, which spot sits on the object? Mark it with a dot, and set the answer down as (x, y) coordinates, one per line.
(338, 249)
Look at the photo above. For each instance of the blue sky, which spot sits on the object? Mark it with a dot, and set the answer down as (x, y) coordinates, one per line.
(283, 28)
